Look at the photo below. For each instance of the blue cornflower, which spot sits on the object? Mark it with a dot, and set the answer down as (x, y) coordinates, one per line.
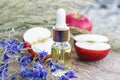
(3, 43)
(39, 71)
(63, 77)
(54, 65)
(67, 76)
(3, 70)
(4, 65)
(12, 46)
(24, 60)
(12, 78)
(42, 54)
(20, 47)
(36, 78)
(23, 71)
(6, 57)
(70, 74)
(29, 73)
(44, 74)
(26, 73)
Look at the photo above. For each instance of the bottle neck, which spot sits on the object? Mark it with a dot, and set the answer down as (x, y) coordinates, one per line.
(61, 35)
(61, 42)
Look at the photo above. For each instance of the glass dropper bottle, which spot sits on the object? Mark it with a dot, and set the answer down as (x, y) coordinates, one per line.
(61, 49)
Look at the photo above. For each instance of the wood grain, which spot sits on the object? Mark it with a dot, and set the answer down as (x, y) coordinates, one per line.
(106, 69)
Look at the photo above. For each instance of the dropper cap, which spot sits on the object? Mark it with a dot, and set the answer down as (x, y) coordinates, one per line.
(61, 31)
(61, 19)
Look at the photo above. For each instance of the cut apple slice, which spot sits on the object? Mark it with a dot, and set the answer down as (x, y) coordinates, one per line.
(37, 34)
(91, 47)
(91, 38)
(38, 39)
(44, 46)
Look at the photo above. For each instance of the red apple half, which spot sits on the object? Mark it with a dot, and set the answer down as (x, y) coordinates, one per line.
(79, 21)
(91, 47)
(38, 39)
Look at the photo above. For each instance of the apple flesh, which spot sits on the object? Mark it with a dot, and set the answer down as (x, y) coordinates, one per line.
(91, 47)
(36, 34)
(38, 39)
(79, 21)
(91, 38)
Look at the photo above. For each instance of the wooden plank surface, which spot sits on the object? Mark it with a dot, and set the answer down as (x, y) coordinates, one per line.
(106, 69)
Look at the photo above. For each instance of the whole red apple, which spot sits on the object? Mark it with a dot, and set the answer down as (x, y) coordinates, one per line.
(91, 47)
(78, 20)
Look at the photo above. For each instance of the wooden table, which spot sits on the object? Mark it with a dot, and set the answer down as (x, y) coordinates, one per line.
(106, 69)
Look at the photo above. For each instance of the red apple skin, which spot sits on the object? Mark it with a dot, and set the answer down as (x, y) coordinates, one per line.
(30, 50)
(27, 44)
(82, 23)
(91, 55)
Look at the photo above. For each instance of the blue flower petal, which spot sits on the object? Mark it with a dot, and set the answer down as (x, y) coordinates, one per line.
(24, 60)
(42, 54)
(12, 78)
(63, 77)
(70, 74)
(6, 57)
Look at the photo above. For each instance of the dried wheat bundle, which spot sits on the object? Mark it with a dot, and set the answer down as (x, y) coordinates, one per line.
(19, 13)
(77, 31)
